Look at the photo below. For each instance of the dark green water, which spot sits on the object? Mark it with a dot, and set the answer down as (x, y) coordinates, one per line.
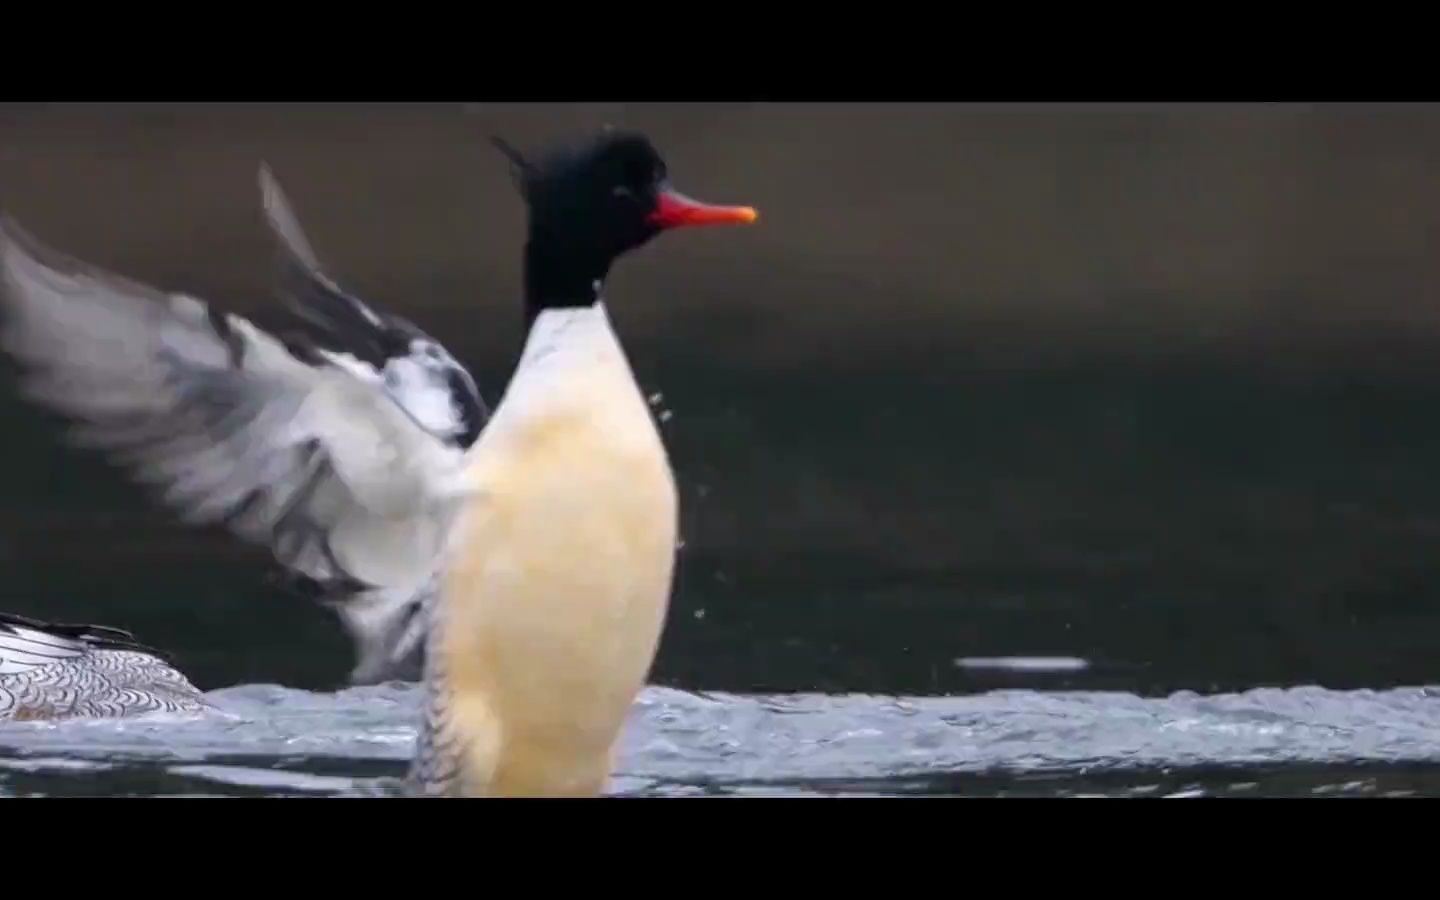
(1181, 531)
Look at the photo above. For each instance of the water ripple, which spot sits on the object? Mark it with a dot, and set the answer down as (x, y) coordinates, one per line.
(272, 740)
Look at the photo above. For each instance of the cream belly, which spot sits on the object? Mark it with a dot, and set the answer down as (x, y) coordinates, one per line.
(557, 590)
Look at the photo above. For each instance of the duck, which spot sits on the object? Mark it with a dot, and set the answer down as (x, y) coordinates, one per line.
(557, 588)
(527, 551)
(51, 670)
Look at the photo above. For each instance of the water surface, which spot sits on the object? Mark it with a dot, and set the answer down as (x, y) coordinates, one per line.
(275, 741)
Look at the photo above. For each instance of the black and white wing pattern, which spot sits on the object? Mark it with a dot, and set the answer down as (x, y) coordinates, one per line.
(50, 670)
(28, 644)
(413, 368)
(421, 377)
(348, 471)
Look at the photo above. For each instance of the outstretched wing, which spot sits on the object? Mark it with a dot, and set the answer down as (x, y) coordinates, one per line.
(421, 377)
(309, 454)
(415, 370)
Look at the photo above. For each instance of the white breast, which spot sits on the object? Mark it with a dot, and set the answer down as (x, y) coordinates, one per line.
(573, 359)
(559, 576)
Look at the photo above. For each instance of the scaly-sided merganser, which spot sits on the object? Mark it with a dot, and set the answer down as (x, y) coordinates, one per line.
(543, 551)
(54, 671)
(558, 580)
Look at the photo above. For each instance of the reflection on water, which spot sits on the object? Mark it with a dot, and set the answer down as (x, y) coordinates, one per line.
(274, 741)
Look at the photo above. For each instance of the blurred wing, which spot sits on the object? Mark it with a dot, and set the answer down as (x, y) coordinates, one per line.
(420, 376)
(415, 369)
(310, 457)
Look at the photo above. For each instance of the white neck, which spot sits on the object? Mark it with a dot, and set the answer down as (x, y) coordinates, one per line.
(564, 328)
(572, 364)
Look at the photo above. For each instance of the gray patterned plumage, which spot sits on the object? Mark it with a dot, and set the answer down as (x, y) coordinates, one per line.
(54, 671)
(435, 769)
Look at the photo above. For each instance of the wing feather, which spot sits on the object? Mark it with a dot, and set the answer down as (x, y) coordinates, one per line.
(308, 456)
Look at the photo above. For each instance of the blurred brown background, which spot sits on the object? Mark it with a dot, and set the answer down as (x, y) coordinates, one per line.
(1150, 384)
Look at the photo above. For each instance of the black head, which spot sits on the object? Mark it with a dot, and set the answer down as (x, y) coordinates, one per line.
(592, 203)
